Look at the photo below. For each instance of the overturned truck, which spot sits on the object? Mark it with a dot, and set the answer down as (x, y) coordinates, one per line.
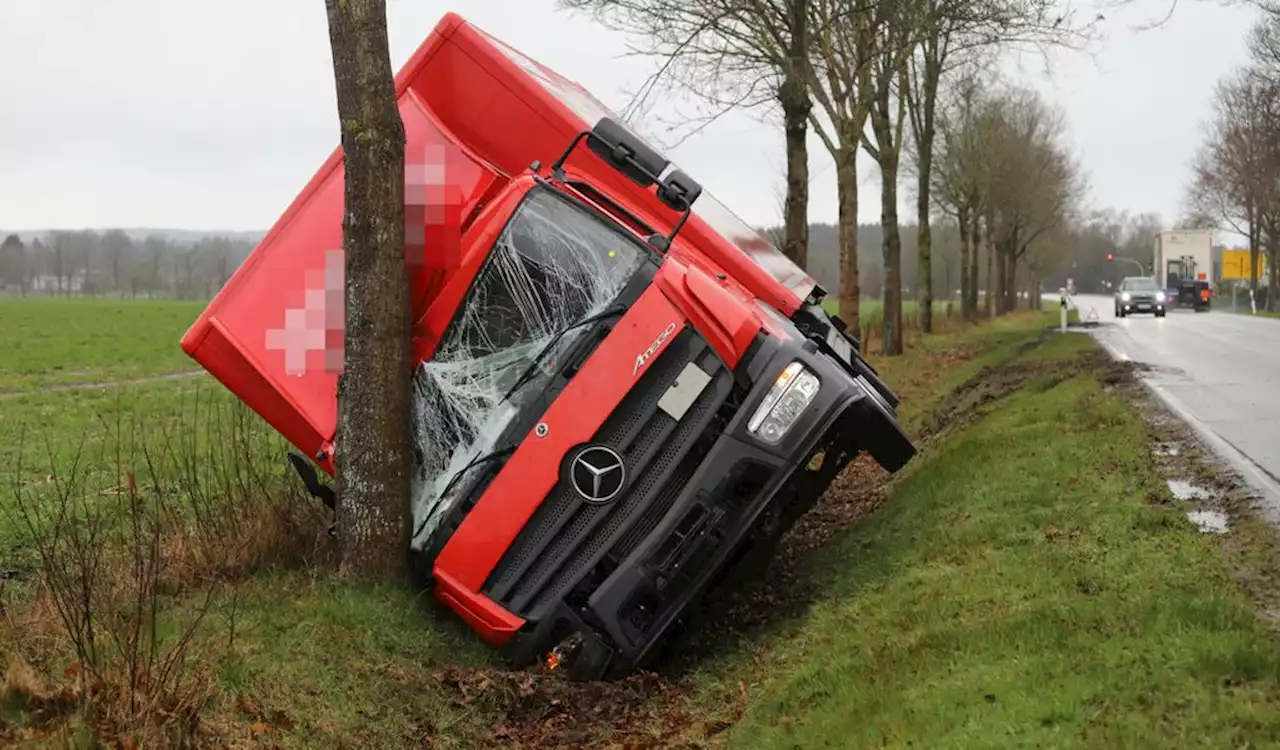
(621, 392)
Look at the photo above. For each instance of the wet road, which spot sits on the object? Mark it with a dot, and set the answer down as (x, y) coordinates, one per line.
(1219, 371)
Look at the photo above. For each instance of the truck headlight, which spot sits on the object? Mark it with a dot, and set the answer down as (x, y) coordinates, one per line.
(786, 401)
(1124, 296)
(1160, 297)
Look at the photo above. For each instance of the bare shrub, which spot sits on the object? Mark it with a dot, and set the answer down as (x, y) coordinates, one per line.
(135, 544)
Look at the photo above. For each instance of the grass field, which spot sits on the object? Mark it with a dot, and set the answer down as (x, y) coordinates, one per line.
(1017, 587)
(50, 341)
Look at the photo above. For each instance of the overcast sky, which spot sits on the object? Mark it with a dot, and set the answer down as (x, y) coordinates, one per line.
(199, 115)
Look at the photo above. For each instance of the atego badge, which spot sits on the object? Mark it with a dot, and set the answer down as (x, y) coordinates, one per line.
(644, 356)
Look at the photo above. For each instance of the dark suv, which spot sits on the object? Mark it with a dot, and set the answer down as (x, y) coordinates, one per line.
(1139, 294)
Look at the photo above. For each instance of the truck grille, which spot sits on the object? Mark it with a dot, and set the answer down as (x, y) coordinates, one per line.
(567, 537)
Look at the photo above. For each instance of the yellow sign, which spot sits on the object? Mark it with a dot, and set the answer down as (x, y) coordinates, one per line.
(1235, 265)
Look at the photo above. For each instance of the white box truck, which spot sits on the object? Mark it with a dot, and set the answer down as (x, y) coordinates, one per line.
(1183, 263)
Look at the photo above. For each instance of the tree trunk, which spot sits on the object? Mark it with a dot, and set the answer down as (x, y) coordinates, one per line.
(924, 231)
(1273, 290)
(1011, 282)
(847, 195)
(795, 109)
(974, 267)
(1002, 277)
(794, 97)
(966, 311)
(989, 298)
(892, 255)
(372, 444)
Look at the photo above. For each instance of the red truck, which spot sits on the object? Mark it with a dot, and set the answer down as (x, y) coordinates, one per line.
(621, 392)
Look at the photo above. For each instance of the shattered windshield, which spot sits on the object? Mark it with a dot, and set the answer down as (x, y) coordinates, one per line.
(554, 265)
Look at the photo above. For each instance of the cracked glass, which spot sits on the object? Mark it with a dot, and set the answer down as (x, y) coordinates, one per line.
(554, 265)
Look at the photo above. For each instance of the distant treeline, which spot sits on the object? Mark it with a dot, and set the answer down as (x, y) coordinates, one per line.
(117, 263)
(186, 265)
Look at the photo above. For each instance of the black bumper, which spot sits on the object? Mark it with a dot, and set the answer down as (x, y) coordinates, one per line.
(621, 573)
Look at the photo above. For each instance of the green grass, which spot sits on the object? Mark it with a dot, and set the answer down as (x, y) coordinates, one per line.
(1018, 589)
(49, 341)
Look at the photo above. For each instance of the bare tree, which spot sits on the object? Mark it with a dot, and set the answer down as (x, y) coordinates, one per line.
(372, 444)
(1008, 178)
(951, 33)
(15, 266)
(1035, 187)
(845, 38)
(1236, 175)
(962, 173)
(730, 54)
(888, 115)
(118, 249)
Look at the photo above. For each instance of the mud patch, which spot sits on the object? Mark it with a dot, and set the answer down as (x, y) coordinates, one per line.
(974, 397)
(542, 709)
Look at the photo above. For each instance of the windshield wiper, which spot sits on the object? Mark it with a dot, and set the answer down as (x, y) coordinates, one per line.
(483, 458)
(533, 365)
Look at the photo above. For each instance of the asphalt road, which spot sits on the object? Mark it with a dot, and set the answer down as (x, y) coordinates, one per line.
(1218, 370)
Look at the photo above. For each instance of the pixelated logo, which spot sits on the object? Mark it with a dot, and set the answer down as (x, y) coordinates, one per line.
(432, 210)
(433, 218)
(318, 325)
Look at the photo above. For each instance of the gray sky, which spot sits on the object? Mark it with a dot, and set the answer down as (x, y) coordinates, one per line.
(213, 115)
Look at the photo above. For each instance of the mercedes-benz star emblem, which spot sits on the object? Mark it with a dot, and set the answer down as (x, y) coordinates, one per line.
(598, 474)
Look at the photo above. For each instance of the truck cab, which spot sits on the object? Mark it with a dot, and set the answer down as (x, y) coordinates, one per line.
(620, 391)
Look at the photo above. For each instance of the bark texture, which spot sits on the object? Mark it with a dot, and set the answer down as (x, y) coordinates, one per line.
(847, 195)
(966, 310)
(796, 106)
(893, 343)
(372, 444)
(795, 110)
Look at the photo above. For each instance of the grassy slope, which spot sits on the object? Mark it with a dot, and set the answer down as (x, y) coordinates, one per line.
(1018, 589)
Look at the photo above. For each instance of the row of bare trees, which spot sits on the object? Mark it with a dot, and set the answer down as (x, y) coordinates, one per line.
(865, 76)
(1236, 175)
(1006, 176)
(113, 263)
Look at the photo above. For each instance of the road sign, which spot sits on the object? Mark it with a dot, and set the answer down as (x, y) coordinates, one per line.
(1235, 265)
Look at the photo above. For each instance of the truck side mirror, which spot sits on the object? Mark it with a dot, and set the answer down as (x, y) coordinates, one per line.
(679, 191)
(625, 152)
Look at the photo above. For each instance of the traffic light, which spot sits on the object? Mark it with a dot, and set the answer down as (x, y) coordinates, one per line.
(1110, 257)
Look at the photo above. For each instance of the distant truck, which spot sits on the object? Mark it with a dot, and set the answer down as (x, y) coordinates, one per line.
(1182, 263)
(621, 392)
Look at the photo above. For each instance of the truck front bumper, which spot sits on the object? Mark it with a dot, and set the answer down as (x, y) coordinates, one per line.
(621, 574)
